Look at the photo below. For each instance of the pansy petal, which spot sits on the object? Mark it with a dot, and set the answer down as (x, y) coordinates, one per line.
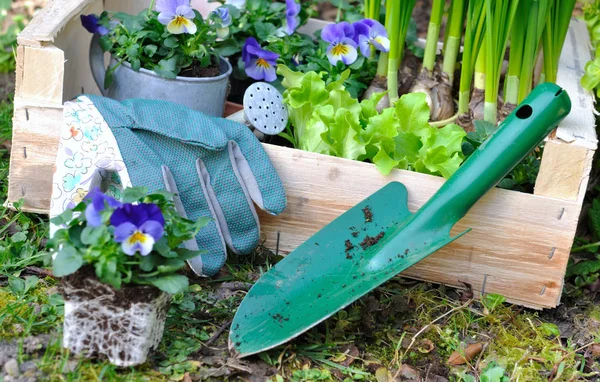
(332, 32)
(250, 42)
(347, 29)
(377, 30)
(153, 228)
(92, 216)
(124, 231)
(185, 11)
(253, 70)
(181, 25)
(351, 56)
(292, 8)
(270, 72)
(138, 242)
(360, 29)
(222, 32)
(381, 43)
(365, 45)
(292, 23)
(166, 6)
(166, 17)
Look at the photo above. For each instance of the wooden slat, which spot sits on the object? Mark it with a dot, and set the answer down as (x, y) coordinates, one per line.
(519, 244)
(579, 128)
(40, 74)
(564, 171)
(35, 143)
(46, 25)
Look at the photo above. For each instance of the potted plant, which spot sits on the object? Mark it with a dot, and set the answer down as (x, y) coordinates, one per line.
(118, 262)
(167, 53)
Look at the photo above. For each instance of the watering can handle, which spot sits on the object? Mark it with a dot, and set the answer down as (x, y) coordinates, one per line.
(97, 63)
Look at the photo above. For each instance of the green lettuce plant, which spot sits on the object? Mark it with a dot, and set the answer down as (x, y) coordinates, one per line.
(326, 119)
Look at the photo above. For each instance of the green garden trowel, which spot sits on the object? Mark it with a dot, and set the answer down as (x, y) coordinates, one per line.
(379, 237)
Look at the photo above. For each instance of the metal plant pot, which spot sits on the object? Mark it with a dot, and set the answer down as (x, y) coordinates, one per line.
(205, 94)
(122, 325)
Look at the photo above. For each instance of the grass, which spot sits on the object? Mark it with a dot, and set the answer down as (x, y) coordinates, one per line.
(402, 327)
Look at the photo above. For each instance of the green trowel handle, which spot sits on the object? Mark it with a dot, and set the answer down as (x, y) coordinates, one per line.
(521, 131)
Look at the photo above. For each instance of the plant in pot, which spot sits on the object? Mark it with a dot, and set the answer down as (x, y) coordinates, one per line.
(119, 264)
(168, 53)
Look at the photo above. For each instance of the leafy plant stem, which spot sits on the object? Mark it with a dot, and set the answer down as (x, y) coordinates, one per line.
(499, 18)
(586, 246)
(474, 33)
(397, 27)
(554, 34)
(452, 42)
(433, 34)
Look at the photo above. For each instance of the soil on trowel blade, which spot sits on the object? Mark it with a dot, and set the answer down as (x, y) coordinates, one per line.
(370, 241)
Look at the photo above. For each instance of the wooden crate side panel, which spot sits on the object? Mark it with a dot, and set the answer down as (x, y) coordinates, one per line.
(36, 131)
(40, 74)
(517, 239)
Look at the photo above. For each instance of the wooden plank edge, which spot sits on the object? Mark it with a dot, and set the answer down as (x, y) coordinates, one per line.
(46, 25)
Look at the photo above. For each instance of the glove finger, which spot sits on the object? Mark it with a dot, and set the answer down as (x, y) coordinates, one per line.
(232, 205)
(171, 186)
(257, 171)
(196, 205)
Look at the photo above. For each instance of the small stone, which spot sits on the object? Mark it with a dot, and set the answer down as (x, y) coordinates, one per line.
(70, 366)
(12, 368)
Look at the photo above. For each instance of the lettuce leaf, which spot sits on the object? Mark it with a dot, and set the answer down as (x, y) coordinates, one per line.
(326, 119)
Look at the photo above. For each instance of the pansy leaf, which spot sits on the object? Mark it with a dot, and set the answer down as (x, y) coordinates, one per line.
(167, 68)
(171, 284)
(264, 31)
(94, 235)
(134, 194)
(67, 261)
(171, 265)
(171, 42)
(187, 254)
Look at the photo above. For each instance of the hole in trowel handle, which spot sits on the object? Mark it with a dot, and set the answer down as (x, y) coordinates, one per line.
(524, 112)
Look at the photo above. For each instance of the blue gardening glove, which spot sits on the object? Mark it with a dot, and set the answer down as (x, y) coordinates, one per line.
(216, 166)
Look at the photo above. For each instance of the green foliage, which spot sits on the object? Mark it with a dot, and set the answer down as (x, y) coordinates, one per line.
(8, 38)
(591, 15)
(493, 373)
(328, 120)
(143, 42)
(522, 177)
(76, 244)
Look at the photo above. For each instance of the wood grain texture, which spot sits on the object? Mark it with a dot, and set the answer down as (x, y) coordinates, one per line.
(36, 132)
(46, 25)
(579, 127)
(40, 74)
(519, 245)
(564, 171)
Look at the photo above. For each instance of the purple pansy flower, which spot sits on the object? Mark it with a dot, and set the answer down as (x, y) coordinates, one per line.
(90, 22)
(177, 15)
(341, 45)
(370, 34)
(98, 204)
(138, 227)
(224, 17)
(291, 16)
(260, 63)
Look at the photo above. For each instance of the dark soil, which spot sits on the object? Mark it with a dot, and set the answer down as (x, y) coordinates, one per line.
(368, 214)
(370, 241)
(198, 71)
(83, 284)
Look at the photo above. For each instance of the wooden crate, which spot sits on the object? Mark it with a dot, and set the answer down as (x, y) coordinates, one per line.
(519, 245)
